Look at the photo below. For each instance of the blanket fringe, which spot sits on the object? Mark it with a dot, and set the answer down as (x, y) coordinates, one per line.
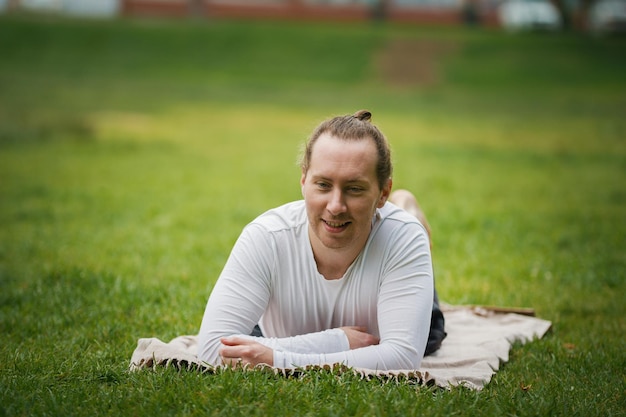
(412, 377)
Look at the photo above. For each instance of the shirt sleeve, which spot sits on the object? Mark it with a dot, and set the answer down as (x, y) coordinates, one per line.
(239, 296)
(327, 341)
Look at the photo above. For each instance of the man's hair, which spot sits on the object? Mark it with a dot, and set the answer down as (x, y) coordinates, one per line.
(353, 127)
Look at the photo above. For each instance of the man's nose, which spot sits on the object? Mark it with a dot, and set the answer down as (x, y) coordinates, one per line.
(337, 203)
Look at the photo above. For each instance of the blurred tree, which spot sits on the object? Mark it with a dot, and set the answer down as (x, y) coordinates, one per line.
(574, 14)
(563, 11)
(584, 13)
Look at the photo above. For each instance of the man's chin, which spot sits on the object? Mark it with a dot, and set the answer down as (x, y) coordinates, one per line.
(332, 241)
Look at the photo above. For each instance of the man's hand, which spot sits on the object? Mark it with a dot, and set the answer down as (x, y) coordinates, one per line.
(358, 337)
(239, 351)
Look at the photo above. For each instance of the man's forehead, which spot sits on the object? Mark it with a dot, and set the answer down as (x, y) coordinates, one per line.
(329, 143)
(332, 153)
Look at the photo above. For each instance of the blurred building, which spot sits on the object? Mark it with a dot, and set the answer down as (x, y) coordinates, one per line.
(597, 15)
(447, 12)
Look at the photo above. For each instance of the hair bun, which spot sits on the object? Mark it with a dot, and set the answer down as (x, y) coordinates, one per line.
(363, 115)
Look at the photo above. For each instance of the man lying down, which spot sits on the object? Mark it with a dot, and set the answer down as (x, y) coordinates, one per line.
(343, 276)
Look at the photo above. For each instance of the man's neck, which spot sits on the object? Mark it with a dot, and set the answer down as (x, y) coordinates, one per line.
(333, 270)
(332, 263)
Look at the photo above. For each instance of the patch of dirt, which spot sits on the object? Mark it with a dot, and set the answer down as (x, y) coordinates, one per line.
(413, 62)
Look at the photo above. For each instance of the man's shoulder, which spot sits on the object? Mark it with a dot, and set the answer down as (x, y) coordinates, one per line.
(393, 218)
(394, 213)
(287, 216)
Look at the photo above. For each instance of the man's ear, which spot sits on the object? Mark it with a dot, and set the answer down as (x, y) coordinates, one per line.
(302, 181)
(384, 194)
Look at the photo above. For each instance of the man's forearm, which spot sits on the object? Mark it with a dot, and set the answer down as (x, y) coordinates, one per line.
(327, 341)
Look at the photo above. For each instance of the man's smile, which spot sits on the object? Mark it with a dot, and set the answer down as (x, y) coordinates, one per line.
(336, 224)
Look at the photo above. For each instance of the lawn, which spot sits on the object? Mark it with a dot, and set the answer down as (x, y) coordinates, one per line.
(133, 152)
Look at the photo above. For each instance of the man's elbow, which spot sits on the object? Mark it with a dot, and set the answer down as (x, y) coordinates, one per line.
(412, 355)
(404, 357)
(412, 359)
(208, 350)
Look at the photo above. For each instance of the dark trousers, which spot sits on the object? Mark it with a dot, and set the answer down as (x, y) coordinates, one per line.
(437, 328)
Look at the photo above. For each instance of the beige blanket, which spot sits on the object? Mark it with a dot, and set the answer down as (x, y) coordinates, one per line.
(478, 341)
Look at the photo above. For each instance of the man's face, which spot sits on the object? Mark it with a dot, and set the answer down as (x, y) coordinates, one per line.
(341, 192)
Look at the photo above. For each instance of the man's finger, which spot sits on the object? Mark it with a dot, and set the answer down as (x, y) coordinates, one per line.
(234, 341)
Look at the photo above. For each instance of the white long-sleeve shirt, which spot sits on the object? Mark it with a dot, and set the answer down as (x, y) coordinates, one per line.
(271, 278)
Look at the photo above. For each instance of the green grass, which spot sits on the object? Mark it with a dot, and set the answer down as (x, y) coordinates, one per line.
(133, 152)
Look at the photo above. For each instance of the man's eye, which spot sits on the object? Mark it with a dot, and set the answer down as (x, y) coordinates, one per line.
(323, 185)
(355, 190)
